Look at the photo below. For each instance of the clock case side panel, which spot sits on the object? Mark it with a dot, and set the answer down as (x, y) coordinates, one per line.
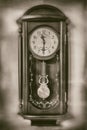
(23, 68)
(20, 74)
(63, 68)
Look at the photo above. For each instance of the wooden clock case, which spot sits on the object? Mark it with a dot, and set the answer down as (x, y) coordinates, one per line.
(31, 106)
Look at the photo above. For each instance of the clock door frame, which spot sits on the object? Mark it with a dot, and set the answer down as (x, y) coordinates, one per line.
(23, 22)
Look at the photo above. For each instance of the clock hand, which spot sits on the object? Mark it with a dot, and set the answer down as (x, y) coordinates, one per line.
(43, 38)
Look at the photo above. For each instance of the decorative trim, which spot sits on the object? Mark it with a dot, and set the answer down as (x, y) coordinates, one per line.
(44, 104)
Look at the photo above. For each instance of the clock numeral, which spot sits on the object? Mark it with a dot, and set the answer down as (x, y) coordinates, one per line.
(49, 33)
(33, 42)
(38, 51)
(54, 42)
(34, 47)
(52, 47)
(44, 32)
(49, 51)
(38, 33)
(34, 37)
(52, 36)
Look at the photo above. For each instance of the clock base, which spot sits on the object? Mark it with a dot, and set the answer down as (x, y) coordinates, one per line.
(47, 120)
(43, 123)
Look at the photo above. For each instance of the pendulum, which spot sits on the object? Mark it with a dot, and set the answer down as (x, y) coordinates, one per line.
(43, 90)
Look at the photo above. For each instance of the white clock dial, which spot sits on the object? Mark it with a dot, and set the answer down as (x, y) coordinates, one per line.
(43, 41)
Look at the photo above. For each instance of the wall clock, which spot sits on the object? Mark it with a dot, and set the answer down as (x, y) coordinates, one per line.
(43, 72)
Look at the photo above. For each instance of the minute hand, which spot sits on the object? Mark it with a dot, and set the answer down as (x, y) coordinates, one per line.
(43, 38)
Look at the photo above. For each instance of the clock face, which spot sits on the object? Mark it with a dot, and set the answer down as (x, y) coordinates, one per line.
(43, 42)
